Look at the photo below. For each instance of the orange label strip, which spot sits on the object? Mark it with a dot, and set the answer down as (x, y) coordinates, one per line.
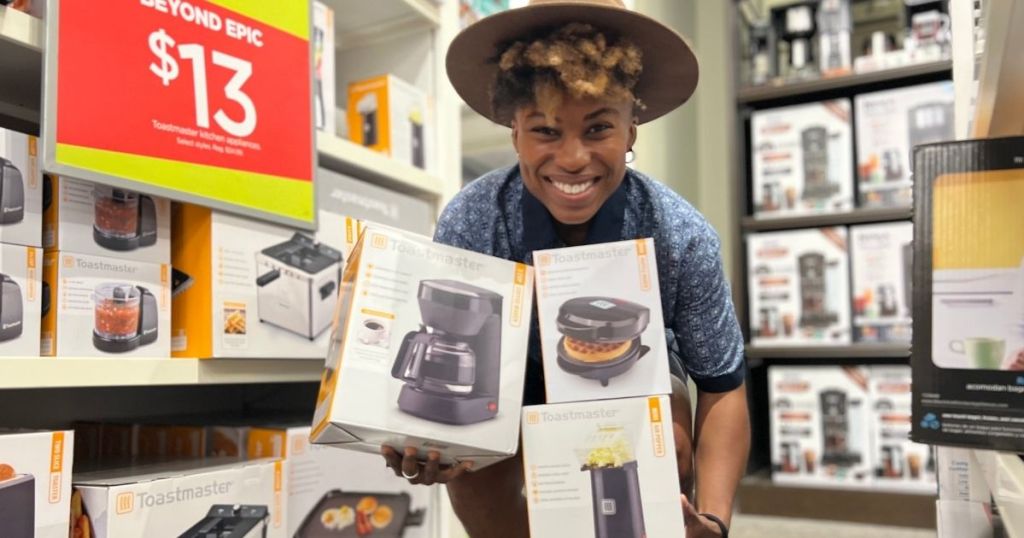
(645, 266)
(657, 426)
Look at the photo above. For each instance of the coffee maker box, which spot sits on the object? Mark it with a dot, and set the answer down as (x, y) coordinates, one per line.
(22, 295)
(35, 483)
(604, 468)
(802, 158)
(323, 68)
(899, 463)
(178, 499)
(102, 306)
(889, 124)
(391, 116)
(428, 351)
(90, 218)
(968, 342)
(250, 288)
(601, 326)
(799, 287)
(882, 256)
(21, 190)
(331, 492)
(820, 426)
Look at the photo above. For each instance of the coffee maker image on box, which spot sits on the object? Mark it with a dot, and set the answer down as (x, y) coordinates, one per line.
(814, 143)
(451, 366)
(17, 504)
(614, 484)
(835, 430)
(342, 514)
(123, 220)
(367, 108)
(126, 317)
(814, 311)
(600, 336)
(12, 193)
(297, 286)
(231, 521)
(11, 313)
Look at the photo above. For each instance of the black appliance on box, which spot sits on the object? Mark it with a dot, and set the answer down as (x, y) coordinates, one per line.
(835, 430)
(227, 521)
(126, 317)
(601, 336)
(12, 193)
(298, 285)
(123, 220)
(795, 25)
(614, 484)
(813, 292)
(18, 506)
(11, 309)
(814, 145)
(348, 514)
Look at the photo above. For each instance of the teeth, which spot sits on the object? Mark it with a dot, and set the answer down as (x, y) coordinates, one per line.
(569, 188)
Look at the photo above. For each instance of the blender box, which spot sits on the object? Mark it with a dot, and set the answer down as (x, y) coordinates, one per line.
(819, 420)
(22, 300)
(802, 159)
(601, 327)
(799, 287)
(182, 499)
(101, 306)
(387, 114)
(333, 492)
(889, 124)
(35, 483)
(94, 219)
(323, 67)
(882, 257)
(899, 463)
(604, 468)
(21, 190)
(428, 351)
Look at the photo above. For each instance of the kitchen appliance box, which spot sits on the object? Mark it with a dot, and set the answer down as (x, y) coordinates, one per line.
(604, 468)
(802, 158)
(21, 300)
(341, 198)
(168, 500)
(960, 519)
(21, 190)
(390, 115)
(323, 68)
(799, 287)
(882, 257)
(899, 463)
(968, 342)
(101, 306)
(331, 490)
(98, 220)
(35, 483)
(601, 326)
(428, 350)
(889, 124)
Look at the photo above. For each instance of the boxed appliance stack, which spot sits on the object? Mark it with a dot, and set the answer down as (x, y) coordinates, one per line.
(35, 483)
(882, 257)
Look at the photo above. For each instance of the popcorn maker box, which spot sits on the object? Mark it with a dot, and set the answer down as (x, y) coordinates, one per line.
(21, 300)
(428, 350)
(35, 483)
(603, 468)
(21, 190)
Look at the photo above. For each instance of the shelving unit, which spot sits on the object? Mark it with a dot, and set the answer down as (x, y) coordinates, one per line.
(349, 158)
(856, 216)
(21, 62)
(358, 24)
(855, 351)
(772, 92)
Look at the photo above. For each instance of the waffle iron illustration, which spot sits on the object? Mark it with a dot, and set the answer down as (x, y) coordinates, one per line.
(600, 336)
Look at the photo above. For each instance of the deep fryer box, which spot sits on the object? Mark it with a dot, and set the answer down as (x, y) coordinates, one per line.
(21, 300)
(21, 190)
(35, 483)
(429, 350)
(601, 325)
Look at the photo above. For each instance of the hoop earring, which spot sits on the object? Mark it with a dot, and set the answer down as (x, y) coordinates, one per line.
(630, 156)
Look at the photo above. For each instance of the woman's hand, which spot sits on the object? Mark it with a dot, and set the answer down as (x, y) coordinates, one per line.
(425, 473)
(698, 526)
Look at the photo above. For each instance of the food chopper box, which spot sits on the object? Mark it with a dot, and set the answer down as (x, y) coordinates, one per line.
(601, 326)
(102, 306)
(802, 158)
(389, 115)
(333, 491)
(35, 483)
(882, 256)
(428, 350)
(799, 287)
(900, 464)
(178, 499)
(819, 425)
(603, 468)
(21, 190)
(94, 219)
(22, 295)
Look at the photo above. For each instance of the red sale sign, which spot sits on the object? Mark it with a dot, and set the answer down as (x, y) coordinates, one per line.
(203, 101)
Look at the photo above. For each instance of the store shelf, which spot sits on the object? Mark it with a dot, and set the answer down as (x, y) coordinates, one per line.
(21, 62)
(856, 216)
(358, 24)
(349, 158)
(855, 351)
(1000, 110)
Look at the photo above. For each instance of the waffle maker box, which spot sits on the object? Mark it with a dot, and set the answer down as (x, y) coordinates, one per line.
(602, 332)
(603, 468)
(22, 297)
(428, 351)
(21, 190)
(102, 306)
(342, 493)
(899, 463)
(35, 483)
(183, 500)
(882, 257)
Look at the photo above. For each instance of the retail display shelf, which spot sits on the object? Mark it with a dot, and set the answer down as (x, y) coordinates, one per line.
(1001, 73)
(21, 62)
(856, 216)
(349, 158)
(359, 22)
(854, 351)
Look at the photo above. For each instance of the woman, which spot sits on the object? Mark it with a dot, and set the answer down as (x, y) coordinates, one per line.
(573, 79)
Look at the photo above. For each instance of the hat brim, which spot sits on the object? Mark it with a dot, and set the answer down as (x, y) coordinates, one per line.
(670, 69)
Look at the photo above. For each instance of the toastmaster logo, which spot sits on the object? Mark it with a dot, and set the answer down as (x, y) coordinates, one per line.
(125, 503)
(544, 260)
(533, 417)
(69, 261)
(379, 241)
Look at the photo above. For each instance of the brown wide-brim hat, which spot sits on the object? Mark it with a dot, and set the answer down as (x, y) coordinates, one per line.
(670, 69)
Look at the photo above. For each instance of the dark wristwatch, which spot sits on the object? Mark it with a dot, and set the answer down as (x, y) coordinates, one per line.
(721, 524)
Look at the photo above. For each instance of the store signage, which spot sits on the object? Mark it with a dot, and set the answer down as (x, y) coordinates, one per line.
(207, 101)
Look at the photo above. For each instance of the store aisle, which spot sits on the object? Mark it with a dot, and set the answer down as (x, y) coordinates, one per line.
(750, 526)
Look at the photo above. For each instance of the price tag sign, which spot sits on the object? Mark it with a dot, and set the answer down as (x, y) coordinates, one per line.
(206, 101)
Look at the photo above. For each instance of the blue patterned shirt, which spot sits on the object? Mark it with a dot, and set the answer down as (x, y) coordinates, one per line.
(496, 215)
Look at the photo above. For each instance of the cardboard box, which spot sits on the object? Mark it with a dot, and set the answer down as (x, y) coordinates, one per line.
(21, 300)
(94, 219)
(428, 350)
(105, 307)
(602, 331)
(21, 190)
(323, 68)
(340, 197)
(332, 490)
(33, 7)
(899, 463)
(389, 115)
(604, 468)
(882, 256)
(889, 124)
(799, 287)
(35, 483)
(960, 476)
(959, 519)
(172, 500)
(802, 157)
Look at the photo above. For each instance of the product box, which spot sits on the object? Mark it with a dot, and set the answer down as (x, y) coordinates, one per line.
(428, 350)
(182, 499)
(323, 68)
(802, 158)
(32, 7)
(94, 219)
(250, 288)
(959, 519)
(21, 190)
(603, 468)
(35, 483)
(602, 332)
(968, 343)
(889, 124)
(899, 463)
(102, 306)
(22, 297)
(343, 493)
(882, 256)
(799, 287)
(389, 115)
(341, 198)
(960, 476)
(820, 423)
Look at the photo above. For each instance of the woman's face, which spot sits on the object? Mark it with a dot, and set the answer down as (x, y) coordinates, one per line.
(574, 160)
